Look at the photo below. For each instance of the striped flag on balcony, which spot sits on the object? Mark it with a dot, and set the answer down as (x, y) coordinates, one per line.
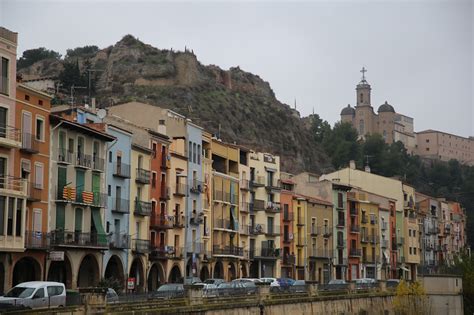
(69, 193)
(87, 196)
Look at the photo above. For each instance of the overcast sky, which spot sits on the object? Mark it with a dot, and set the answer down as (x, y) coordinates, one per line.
(419, 55)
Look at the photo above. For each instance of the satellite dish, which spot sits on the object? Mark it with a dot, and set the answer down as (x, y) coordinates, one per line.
(101, 113)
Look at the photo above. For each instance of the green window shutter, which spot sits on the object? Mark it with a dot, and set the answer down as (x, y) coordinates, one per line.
(60, 217)
(78, 220)
(80, 182)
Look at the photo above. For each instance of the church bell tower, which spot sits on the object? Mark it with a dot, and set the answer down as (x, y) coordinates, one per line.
(363, 91)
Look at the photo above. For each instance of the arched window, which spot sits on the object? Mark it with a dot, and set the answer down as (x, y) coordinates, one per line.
(361, 127)
(361, 97)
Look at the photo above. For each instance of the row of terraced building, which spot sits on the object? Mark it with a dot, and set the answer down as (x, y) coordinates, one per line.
(141, 195)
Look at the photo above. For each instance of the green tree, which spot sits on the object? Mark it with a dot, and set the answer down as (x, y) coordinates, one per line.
(71, 75)
(31, 56)
(341, 144)
(85, 52)
(319, 128)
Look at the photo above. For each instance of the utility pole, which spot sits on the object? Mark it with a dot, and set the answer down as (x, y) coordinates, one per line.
(73, 87)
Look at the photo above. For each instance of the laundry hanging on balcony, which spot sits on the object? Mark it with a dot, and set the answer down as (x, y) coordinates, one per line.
(69, 193)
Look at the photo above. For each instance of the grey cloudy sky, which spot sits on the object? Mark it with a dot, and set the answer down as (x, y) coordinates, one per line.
(419, 54)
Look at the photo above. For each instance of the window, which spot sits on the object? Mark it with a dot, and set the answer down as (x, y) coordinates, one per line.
(194, 153)
(39, 129)
(39, 175)
(55, 290)
(154, 150)
(414, 250)
(190, 152)
(110, 156)
(18, 230)
(153, 179)
(11, 203)
(340, 202)
(361, 97)
(199, 154)
(4, 76)
(39, 294)
(27, 97)
(40, 102)
(109, 190)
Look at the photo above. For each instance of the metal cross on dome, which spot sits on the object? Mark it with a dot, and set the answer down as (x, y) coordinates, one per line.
(363, 73)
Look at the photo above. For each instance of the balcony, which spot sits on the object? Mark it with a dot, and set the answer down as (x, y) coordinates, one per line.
(272, 207)
(36, 240)
(10, 137)
(257, 181)
(259, 205)
(287, 216)
(142, 208)
(82, 160)
(197, 187)
(341, 261)
(314, 231)
(165, 162)
(355, 252)
(245, 184)
(140, 246)
(384, 226)
(180, 190)
(432, 230)
(225, 224)
(161, 222)
(34, 192)
(257, 229)
(143, 176)
(159, 252)
(64, 156)
(78, 239)
(364, 219)
(244, 207)
(164, 193)
(227, 250)
(289, 259)
(267, 252)
(85, 198)
(341, 222)
(121, 170)
(13, 186)
(319, 253)
(300, 221)
(273, 184)
(353, 211)
(286, 239)
(355, 228)
(341, 243)
(196, 218)
(119, 241)
(326, 231)
(195, 248)
(120, 205)
(244, 230)
(29, 143)
(272, 230)
(384, 243)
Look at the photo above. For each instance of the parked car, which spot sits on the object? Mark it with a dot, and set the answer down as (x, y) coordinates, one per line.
(215, 281)
(170, 290)
(268, 280)
(281, 284)
(244, 280)
(36, 294)
(210, 290)
(250, 287)
(111, 296)
(392, 283)
(231, 288)
(299, 286)
(365, 283)
(334, 285)
(192, 280)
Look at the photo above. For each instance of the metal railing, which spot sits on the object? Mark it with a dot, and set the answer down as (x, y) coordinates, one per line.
(64, 156)
(355, 252)
(319, 253)
(272, 230)
(257, 229)
(142, 176)
(9, 133)
(341, 243)
(159, 221)
(228, 250)
(258, 204)
(142, 208)
(353, 211)
(245, 184)
(197, 187)
(13, 183)
(119, 241)
(180, 189)
(341, 222)
(29, 143)
(81, 239)
(384, 244)
(275, 183)
(273, 207)
(355, 228)
(289, 259)
(384, 226)
(34, 192)
(140, 246)
(267, 252)
(225, 224)
(245, 206)
(165, 193)
(120, 205)
(36, 240)
(364, 219)
(121, 170)
(257, 181)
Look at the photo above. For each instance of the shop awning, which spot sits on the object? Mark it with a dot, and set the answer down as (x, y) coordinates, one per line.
(97, 221)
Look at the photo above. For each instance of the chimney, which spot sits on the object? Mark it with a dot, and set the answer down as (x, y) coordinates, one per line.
(93, 104)
(367, 169)
(352, 164)
(162, 126)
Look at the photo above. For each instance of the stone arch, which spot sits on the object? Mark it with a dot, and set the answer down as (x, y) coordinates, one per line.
(243, 270)
(137, 272)
(156, 276)
(232, 271)
(88, 274)
(218, 270)
(26, 269)
(175, 275)
(61, 271)
(114, 270)
(189, 268)
(204, 274)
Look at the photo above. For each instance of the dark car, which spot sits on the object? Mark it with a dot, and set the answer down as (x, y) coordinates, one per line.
(299, 286)
(170, 291)
(231, 289)
(215, 281)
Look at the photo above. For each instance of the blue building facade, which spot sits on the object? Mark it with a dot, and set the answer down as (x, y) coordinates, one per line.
(194, 212)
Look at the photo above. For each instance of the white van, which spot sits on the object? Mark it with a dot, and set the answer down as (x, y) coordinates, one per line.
(36, 294)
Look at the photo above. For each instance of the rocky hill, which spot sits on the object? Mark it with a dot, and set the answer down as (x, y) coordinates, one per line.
(238, 105)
